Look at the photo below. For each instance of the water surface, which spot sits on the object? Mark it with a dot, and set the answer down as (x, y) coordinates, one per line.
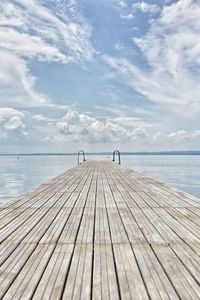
(21, 174)
(180, 171)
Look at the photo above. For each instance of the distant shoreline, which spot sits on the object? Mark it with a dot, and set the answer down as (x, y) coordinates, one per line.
(106, 153)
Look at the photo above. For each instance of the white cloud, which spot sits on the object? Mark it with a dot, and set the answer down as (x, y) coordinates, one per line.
(17, 84)
(76, 128)
(129, 122)
(171, 50)
(11, 119)
(79, 126)
(49, 32)
(181, 139)
(180, 136)
(127, 17)
(140, 133)
(40, 117)
(14, 123)
(131, 133)
(27, 46)
(121, 3)
(183, 135)
(39, 30)
(146, 7)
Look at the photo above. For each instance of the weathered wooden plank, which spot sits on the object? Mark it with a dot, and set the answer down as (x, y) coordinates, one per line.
(30, 273)
(78, 285)
(148, 229)
(8, 215)
(156, 280)
(133, 230)
(70, 229)
(117, 230)
(189, 258)
(130, 280)
(162, 226)
(49, 228)
(10, 269)
(6, 249)
(184, 283)
(17, 230)
(53, 280)
(86, 230)
(100, 231)
(105, 284)
(187, 219)
(183, 232)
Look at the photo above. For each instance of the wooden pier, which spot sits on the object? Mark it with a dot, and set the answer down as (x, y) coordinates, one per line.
(100, 231)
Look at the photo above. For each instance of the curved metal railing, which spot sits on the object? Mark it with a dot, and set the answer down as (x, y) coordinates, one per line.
(119, 156)
(81, 152)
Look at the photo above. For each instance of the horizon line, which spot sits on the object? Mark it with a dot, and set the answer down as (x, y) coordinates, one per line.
(170, 152)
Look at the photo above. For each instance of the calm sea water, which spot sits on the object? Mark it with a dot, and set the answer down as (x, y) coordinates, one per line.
(21, 175)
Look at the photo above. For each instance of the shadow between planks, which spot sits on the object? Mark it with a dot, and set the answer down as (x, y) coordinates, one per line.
(100, 231)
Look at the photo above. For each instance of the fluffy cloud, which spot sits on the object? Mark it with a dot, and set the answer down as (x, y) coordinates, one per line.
(171, 50)
(146, 7)
(181, 139)
(10, 119)
(37, 30)
(76, 128)
(83, 127)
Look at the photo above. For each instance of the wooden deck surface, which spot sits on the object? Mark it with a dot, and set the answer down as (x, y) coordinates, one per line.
(100, 231)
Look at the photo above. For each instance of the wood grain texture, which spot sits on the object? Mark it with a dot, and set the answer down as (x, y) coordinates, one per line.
(100, 231)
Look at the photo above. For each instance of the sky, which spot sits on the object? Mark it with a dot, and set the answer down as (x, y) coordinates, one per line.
(99, 75)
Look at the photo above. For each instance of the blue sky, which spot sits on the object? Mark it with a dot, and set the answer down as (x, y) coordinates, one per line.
(99, 75)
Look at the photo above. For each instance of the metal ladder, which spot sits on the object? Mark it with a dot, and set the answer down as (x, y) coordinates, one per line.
(119, 156)
(79, 153)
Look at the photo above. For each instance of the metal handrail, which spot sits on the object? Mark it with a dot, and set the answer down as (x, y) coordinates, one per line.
(119, 156)
(81, 151)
